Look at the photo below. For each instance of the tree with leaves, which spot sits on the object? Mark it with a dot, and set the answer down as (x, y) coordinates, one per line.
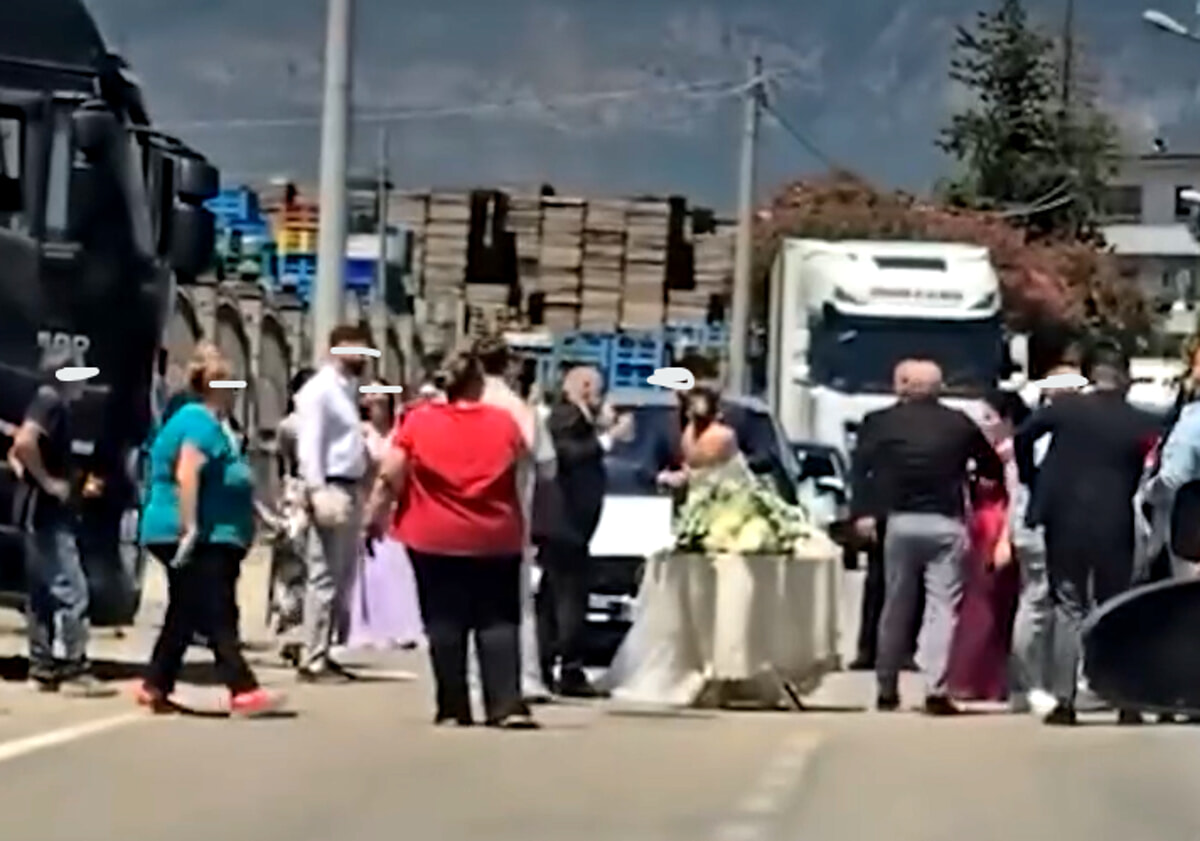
(1034, 138)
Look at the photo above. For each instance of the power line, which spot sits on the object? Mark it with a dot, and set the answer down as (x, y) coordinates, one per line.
(712, 88)
(800, 138)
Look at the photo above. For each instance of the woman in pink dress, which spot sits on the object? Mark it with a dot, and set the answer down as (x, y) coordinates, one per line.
(383, 610)
(983, 638)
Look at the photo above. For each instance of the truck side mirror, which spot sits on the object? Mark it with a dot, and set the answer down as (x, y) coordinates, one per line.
(193, 239)
(197, 180)
(95, 127)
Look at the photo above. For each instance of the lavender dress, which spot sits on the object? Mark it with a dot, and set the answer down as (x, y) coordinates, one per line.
(383, 609)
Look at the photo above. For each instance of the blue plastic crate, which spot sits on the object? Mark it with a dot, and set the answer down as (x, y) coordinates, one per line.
(237, 204)
(700, 335)
(627, 375)
(584, 346)
(638, 348)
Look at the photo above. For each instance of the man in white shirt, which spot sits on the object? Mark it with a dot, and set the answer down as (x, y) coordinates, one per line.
(493, 353)
(332, 456)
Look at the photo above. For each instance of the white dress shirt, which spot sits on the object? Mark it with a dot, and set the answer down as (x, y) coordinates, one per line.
(330, 442)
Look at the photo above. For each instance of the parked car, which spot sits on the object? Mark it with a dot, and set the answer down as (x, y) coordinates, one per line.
(633, 467)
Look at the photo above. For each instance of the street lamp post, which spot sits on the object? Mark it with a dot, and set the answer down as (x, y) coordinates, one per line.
(1168, 24)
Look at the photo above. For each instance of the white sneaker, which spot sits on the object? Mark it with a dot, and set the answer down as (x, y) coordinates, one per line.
(1042, 702)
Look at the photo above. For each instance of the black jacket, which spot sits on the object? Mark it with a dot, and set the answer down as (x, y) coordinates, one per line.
(1096, 458)
(581, 477)
(914, 458)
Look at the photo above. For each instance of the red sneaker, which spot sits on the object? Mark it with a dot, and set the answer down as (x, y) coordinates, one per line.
(153, 700)
(256, 703)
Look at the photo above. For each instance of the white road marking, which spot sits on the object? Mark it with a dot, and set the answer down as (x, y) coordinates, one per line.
(769, 794)
(53, 738)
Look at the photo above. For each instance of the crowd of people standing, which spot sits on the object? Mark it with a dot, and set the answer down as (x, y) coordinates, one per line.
(1012, 528)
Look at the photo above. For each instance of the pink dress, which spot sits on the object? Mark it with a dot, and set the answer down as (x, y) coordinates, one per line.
(384, 611)
(983, 637)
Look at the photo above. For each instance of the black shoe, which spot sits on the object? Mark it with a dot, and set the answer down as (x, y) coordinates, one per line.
(322, 677)
(519, 720)
(887, 703)
(1166, 718)
(940, 706)
(338, 668)
(85, 685)
(1130, 718)
(1061, 716)
(460, 719)
(910, 665)
(577, 686)
(862, 663)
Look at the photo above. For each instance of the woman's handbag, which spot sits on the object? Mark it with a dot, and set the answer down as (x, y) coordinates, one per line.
(331, 506)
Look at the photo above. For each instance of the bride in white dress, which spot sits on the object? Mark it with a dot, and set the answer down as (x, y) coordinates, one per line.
(656, 664)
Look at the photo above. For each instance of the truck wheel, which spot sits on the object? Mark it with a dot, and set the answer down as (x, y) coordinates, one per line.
(115, 575)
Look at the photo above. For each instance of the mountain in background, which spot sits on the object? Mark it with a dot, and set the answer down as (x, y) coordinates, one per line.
(864, 82)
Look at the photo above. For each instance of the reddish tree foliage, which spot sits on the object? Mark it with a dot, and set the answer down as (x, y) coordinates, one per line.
(1055, 284)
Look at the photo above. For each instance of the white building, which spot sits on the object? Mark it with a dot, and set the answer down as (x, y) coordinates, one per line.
(1151, 227)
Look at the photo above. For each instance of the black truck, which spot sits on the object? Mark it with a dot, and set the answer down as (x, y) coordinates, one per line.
(100, 216)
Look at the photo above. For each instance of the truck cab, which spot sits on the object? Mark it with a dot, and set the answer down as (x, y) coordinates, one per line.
(99, 216)
(843, 313)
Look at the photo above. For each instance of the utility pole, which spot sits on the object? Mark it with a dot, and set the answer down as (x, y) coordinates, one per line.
(379, 314)
(739, 316)
(329, 289)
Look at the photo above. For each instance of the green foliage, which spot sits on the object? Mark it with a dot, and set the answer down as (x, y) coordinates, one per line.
(1034, 135)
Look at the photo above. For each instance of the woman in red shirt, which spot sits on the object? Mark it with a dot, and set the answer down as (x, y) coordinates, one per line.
(452, 474)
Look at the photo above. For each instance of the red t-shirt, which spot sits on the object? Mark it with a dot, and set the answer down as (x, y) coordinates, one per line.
(460, 488)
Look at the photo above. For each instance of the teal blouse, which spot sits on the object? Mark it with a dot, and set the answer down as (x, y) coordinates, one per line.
(226, 500)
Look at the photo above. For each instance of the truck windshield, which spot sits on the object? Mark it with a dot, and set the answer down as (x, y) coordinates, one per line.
(854, 353)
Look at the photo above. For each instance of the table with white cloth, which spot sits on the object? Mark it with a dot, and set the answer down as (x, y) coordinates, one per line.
(714, 630)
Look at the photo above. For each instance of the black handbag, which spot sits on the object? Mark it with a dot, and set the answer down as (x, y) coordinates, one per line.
(1185, 522)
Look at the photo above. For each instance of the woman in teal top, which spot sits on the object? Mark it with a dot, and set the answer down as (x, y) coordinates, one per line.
(198, 519)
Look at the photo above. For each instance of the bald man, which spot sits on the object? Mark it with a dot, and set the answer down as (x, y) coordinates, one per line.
(870, 520)
(580, 443)
(919, 452)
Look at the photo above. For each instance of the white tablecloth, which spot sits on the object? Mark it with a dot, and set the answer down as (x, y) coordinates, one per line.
(703, 622)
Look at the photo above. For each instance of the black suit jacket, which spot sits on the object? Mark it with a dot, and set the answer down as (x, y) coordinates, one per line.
(1095, 461)
(864, 483)
(581, 476)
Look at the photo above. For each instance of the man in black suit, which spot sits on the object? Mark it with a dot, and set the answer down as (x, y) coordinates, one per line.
(579, 486)
(866, 509)
(1083, 495)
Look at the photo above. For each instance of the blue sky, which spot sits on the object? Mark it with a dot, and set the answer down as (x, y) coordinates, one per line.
(865, 81)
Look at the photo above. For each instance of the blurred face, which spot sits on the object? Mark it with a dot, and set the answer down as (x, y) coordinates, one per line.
(221, 399)
(354, 366)
(375, 408)
(995, 426)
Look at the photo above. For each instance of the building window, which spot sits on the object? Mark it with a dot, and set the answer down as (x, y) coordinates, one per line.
(1183, 208)
(1123, 202)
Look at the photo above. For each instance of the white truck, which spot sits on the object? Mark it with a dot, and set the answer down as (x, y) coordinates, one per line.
(844, 313)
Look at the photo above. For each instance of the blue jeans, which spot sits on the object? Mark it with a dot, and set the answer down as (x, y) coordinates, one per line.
(57, 602)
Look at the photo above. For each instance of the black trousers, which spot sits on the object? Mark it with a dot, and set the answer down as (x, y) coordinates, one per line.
(874, 594)
(201, 599)
(479, 596)
(562, 601)
(1087, 563)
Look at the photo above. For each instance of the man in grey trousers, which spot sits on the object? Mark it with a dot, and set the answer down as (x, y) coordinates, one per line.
(919, 453)
(332, 456)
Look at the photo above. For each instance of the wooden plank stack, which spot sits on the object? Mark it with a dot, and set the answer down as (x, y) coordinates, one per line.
(603, 264)
(411, 210)
(713, 270)
(561, 260)
(445, 266)
(647, 224)
(525, 222)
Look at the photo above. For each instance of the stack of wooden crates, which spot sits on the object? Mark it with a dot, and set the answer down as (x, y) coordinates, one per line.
(561, 261)
(643, 293)
(603, 264)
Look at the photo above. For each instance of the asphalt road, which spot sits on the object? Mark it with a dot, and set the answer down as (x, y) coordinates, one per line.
(362, 762)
